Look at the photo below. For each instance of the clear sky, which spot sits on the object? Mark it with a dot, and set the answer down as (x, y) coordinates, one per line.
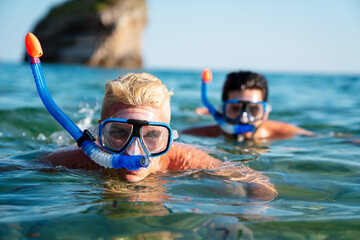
(321, 36)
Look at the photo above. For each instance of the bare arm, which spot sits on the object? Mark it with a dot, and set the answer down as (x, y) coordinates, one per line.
(70, 157)
(183, 157)
(276, 129)
(248, 183)
(205, 131)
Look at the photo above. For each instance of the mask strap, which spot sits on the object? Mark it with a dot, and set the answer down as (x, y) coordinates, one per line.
(133, 158)
(175, 135)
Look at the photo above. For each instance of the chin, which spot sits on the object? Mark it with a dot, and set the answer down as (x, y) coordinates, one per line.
(133, 176)
(247, 135)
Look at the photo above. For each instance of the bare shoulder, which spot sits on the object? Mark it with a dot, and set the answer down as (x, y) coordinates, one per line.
(183, 157)
(273, 129)
(70, 157)
(204, 131)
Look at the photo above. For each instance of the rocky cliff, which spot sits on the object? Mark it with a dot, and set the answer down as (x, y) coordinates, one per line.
(96, 32)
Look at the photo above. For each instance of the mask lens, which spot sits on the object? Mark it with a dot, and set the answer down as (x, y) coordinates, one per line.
(155, 138)
(255, 110)
(233, 110)
(115, 135)
(237, 111)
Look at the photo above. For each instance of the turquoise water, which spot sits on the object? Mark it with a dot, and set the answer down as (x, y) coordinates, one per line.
(318, 178)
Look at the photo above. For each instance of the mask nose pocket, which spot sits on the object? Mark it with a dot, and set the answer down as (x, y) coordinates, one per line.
(244, 118)
(135, 147)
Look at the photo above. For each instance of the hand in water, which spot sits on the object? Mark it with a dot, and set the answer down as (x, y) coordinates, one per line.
(202, 111)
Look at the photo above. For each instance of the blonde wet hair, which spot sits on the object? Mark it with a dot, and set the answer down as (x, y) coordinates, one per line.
(137, 89)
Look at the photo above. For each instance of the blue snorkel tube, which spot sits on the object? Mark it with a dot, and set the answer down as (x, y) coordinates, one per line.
(234, 129)
(84, 139)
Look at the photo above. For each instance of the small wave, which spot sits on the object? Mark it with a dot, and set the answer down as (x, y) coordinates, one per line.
(89, 115)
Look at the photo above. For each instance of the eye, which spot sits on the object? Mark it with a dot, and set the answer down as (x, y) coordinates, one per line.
(235, 108)
(254, 110)
(152, 135)
(118, 132)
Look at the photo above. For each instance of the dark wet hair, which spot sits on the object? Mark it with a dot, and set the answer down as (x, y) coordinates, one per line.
(243, 80)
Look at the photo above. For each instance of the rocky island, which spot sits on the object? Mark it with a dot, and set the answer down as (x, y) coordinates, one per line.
(96, 32)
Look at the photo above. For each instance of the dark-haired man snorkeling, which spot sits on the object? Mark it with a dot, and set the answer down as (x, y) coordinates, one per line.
(244, 113)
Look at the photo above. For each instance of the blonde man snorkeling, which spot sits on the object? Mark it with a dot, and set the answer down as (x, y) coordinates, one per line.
(135, 119)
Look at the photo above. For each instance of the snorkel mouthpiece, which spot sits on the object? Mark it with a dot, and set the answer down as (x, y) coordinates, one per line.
(234, 129)
(129, 162)
(85, 141)
(237, 129)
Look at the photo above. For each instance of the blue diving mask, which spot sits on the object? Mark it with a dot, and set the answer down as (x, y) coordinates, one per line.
(243, 112)
(237, 116)
(151, 139)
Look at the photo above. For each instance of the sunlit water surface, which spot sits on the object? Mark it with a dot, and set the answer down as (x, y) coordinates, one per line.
(318, 178)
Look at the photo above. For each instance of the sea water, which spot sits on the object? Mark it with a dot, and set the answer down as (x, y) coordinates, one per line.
(318, 178)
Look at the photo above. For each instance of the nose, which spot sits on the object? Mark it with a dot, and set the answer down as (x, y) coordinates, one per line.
(244, 118)
(135, 147)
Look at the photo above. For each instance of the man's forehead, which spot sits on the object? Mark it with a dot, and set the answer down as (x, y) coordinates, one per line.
(254, 95)
(148, 113)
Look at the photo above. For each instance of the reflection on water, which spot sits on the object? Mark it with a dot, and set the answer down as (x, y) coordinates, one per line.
(317, 178)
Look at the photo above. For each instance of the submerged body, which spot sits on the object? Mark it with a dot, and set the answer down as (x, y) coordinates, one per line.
(269, 129)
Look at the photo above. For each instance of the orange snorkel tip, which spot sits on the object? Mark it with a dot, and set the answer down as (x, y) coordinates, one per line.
(33, 46)
(206, 75)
